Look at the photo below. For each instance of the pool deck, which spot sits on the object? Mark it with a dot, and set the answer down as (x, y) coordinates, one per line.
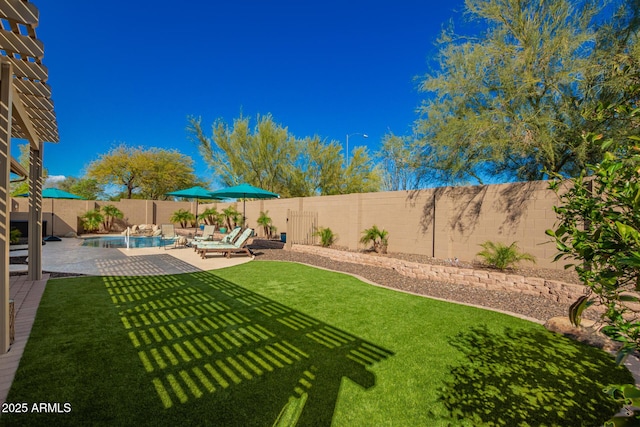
(69, 256)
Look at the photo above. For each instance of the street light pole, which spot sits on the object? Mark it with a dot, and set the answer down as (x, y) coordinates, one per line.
(364, 135)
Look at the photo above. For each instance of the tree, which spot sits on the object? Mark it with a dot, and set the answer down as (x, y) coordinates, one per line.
(262, 157)
(145, 173)
(22, 187)
(87, 188)
(509, 105)
(268, 157)
(398, 161)
(183, 217)
(110, 213)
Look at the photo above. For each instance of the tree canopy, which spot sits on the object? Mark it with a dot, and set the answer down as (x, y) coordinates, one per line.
(144, 173)
(509, 104)
(269, 157)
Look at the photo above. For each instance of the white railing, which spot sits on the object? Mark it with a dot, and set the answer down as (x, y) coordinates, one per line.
(126, 236)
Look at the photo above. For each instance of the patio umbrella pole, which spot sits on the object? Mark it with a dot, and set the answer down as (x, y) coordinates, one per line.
(51, 237)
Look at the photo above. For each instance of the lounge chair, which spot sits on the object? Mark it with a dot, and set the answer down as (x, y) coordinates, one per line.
(229, 238)
(207, 233)
(239, 246)
(167, 232)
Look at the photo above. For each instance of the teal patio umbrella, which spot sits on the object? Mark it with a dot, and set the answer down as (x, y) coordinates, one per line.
(194, 193)
(55, 193)
(244, 191)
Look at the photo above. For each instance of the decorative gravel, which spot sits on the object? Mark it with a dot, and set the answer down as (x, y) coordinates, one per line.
(534, 307)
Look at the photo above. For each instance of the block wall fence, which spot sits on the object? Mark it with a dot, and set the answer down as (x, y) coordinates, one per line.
(445, 222)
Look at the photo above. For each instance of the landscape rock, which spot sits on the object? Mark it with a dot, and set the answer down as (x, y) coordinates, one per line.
(588, 332)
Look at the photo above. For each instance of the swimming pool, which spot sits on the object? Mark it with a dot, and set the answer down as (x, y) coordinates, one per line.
(119, 242)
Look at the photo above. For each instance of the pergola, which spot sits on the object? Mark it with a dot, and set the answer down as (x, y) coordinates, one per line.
(26, 112)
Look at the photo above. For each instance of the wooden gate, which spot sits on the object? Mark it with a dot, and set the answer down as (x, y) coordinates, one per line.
(301, 227)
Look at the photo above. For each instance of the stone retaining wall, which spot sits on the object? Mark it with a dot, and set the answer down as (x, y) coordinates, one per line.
(551, 289)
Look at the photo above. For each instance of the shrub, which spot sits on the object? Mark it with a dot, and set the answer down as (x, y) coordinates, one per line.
(379, 239)
(14, 236)
(91, 220)
(327, 238)
(500, 256)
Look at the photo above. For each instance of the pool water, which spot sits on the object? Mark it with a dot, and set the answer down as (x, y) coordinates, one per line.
(119, 242)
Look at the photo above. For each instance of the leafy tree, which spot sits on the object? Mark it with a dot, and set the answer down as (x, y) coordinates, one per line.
(87, 188)
(360, 176)
(398, 161)
(268, 157)
(22, 187)
(509, 104)
(146, 173)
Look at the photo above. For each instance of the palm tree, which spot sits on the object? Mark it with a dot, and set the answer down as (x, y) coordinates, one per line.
(210, 216)
(231, 215)
(182, 216)
(91, 220)
(265, 221)
(110, 213)
(379, 238)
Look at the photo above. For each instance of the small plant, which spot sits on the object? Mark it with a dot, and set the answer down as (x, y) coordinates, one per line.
(91, 220)
(327, 237)
(379, 239)
(265, 221)
(183, 217)
(14, 236)
(110, 213)
(500, 256)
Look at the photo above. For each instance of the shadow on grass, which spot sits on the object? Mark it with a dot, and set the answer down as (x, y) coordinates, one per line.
(530, 378)
(242, 359)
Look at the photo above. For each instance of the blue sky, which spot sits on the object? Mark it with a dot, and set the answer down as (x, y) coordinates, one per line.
(132, 71)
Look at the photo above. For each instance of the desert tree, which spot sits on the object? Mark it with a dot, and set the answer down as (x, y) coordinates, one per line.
(509, 102)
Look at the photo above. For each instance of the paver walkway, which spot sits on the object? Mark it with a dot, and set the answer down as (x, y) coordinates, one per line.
(26, 295)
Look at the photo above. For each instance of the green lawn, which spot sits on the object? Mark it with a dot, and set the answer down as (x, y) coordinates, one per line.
(269, 343)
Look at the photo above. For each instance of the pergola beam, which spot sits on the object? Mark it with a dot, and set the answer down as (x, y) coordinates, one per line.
(23, 119)
(6, 93)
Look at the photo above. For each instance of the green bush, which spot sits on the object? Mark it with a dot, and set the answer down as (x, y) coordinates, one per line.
(500, 256)
(14, 236)
(327, 237)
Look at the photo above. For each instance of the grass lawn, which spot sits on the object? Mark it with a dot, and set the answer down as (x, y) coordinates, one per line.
(269, 343)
